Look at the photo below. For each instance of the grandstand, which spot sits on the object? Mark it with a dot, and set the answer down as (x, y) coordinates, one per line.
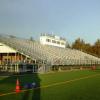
(32, 56)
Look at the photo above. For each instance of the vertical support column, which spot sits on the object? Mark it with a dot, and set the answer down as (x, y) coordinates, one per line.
(33, 68)
(0, 62)
(43, 66)
(21, 57)
(11, 68)
(34, 65)
(15, 57)
(17, 68)
(0, 59)
(38, 68)
(26, 59)
(7, 61)
(18, 56)
(15, 63)
(6, 67)
(24, 67)
(11, 58)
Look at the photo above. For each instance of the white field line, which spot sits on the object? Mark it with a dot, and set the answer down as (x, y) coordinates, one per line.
(55, 84)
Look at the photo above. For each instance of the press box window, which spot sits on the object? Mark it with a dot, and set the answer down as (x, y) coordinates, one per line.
(62, 43)
(48, 40)
(58, 42)
(53, 41)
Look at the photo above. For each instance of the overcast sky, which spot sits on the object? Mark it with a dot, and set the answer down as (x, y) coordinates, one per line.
(67, 18)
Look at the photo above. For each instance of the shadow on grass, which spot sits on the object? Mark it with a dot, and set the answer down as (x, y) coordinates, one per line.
(8, 84)
(35, 92)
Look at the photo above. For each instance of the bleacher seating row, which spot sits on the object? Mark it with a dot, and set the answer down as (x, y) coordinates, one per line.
(49, 54)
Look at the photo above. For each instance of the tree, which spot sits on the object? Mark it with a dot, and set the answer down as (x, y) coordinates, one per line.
(78, 44)
(96, 47)
(31, 38)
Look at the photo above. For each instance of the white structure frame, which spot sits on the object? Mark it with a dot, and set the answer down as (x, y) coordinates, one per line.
(48, 39)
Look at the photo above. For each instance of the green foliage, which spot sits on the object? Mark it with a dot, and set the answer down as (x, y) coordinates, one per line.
(94, 49)
(78, 44)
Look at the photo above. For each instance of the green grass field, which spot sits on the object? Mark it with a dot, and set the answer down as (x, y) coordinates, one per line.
(70, 85)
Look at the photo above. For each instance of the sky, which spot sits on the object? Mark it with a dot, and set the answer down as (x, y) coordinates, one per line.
(67, 18)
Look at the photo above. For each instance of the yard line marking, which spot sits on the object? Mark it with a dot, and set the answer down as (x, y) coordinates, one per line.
(73, 80)
(55, 84)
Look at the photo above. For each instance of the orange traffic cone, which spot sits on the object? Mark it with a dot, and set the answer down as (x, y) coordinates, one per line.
(17, 86)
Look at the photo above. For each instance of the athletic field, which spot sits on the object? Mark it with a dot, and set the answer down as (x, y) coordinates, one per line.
(69, 85)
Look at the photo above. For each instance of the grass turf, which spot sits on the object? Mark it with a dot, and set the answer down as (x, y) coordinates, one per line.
(84, 89)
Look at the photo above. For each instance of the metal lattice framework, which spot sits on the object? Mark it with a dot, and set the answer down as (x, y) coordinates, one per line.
(49, 54)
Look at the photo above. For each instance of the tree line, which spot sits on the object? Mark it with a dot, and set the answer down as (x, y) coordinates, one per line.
(81, 45)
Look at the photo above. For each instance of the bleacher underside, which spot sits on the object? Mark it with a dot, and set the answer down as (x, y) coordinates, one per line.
(43, 58)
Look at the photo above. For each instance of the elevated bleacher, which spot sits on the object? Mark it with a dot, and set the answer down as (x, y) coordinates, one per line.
(48, 54)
